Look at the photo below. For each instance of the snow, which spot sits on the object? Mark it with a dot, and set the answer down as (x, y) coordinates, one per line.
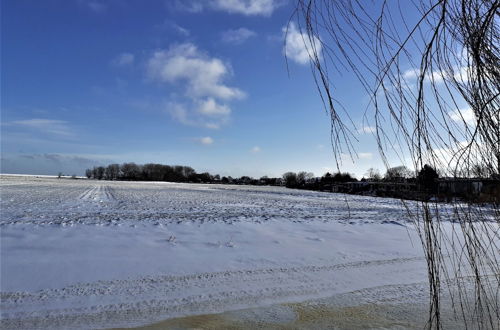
(139, 252)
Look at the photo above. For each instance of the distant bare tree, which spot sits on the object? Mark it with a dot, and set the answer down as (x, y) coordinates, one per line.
(130, 171)
(419, 73)
(290, 179)
(301, 178)
(99, 172)
(112, 172)
(397, 173)
(373, 174)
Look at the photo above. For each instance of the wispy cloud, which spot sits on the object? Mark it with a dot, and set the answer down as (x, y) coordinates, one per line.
(96, 6)
(180, 30)
(207, 140)
(58, 158)
(463, 115)
(461, 74)
(51, 126)
(51, 163)
(298, 47)
(367, 130)
(255, 149)
(191, 115)
(243, 7)
(170, 25)
(201, 77)
(124, 59)
(237, 36)
(435, 76)
(191, 6)
(365, 155)
(247, 7)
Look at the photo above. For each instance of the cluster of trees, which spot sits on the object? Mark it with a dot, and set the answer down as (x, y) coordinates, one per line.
(306, 180)
(170, 173)
(401, 174)
(178, 173)
(393, 174)
(147, 172)
(297, 180)
(426, 178)
(301, 180)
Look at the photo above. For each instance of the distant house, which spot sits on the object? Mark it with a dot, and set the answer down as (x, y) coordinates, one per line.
(372, 187)
(469, 187)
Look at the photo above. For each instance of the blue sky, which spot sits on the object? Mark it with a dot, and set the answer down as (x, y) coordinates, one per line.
(199, 83)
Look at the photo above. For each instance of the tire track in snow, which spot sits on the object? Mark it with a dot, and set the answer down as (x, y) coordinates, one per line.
(170, 296)
(98, 193)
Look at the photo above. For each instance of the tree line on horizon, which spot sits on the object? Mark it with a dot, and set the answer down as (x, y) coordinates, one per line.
(180, 173)
(397, 182)
(301, 180)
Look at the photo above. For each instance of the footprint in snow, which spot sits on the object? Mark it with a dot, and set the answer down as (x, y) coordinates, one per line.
(317, 239)
(211, 244)
(392, 222)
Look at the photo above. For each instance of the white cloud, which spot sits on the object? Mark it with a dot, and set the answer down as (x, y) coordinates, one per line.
(202, 79)
(255, 149)
(244, 7)
(237, 36)
(461, 74)
(192, 117)
(51, 126)
(365, 155)
(411, 73)
(207, 140)
(124, 59)
(434, 76)
(247, 7)
(202, 74)
(463, 115)
(367, 130)
(447, 155)
(211, 107)
(298, 46)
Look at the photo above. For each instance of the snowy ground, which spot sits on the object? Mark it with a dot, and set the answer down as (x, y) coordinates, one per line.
(81, 253)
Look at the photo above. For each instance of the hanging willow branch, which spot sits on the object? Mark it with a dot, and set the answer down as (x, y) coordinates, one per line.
(432, 71)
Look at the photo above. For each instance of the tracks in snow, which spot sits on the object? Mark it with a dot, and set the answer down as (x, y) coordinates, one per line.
(99, 194)
(160, 297)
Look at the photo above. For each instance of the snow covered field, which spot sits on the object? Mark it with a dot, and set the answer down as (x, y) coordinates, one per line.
(81, 253)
